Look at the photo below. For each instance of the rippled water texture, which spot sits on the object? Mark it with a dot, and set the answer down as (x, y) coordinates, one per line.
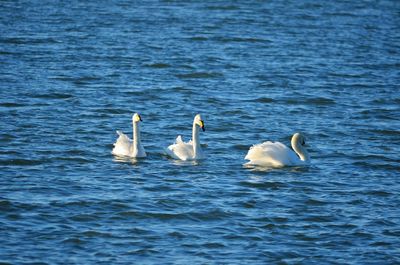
(73, 72)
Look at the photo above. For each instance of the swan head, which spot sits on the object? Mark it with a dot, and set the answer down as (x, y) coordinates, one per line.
(136, 117)
(298, 139)
(199, 121)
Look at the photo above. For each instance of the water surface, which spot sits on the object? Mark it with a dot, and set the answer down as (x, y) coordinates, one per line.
(72, 73)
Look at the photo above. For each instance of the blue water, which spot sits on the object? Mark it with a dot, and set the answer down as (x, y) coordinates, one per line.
(73, 72)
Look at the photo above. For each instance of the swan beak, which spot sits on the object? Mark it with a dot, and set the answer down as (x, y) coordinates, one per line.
(140, 118)
(202, 126)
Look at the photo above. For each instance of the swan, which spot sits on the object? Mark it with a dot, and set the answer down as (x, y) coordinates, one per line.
(127, 147)
(276, 154)
(190, 150)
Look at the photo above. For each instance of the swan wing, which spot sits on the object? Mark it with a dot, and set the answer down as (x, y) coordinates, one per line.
(122, 146)
(180, 149)
(274, 154)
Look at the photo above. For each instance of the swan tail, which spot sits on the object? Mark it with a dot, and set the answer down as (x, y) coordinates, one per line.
(179, 140)
(180, 149)
(170, 151)
(123, 145)
(256, 151)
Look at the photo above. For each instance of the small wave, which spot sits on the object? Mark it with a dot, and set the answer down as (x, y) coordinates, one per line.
(386, 132)
(223, 8)
(124, 215)
(310, 101)
(305, 237)
(28, 40)
(241, 147)
(71, 203)
(159, 188)
(321, 101)
(181, 89)
(166, 216)
(5, 205)
(383, 164)
(262, 185)
(53, 96)
(152, 215)
(82, 80)
(199, 75)
(9, 53)
(21, 162)
(379, 193)
(199, 38)
(362, 234)
(241, 39)
(344, 226)
(213, 215)
(394, 233)
(154, 92)
(279, 220)
(315, 202)
(213, 245)
(84, 217)
(230, 65)
(73, 240)
(234, 112)
(145, 252)
(11, 105)
(381, 244)
(92, 233)
(340, 14)
(357, 202)
(319, 219)
(264, 100)
(158, 65)
(14, 216)
(80, 159)
(110, 111)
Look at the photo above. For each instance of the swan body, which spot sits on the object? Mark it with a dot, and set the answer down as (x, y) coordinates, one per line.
(188, 150)
(127, 147)
(276, 154)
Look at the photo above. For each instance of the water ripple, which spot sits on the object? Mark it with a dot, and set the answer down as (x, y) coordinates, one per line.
(74, 73)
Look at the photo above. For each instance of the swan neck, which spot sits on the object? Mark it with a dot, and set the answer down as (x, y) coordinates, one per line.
(300, 151)
(195, 139)
(136, 136)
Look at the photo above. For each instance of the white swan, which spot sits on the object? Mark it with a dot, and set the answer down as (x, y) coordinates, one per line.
(127, 147)
(276, 154)
(190, 150)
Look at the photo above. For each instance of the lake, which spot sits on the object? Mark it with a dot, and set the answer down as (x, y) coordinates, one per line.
(74, 72)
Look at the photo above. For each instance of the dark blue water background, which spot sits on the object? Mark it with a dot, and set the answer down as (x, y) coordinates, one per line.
(73, 72)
